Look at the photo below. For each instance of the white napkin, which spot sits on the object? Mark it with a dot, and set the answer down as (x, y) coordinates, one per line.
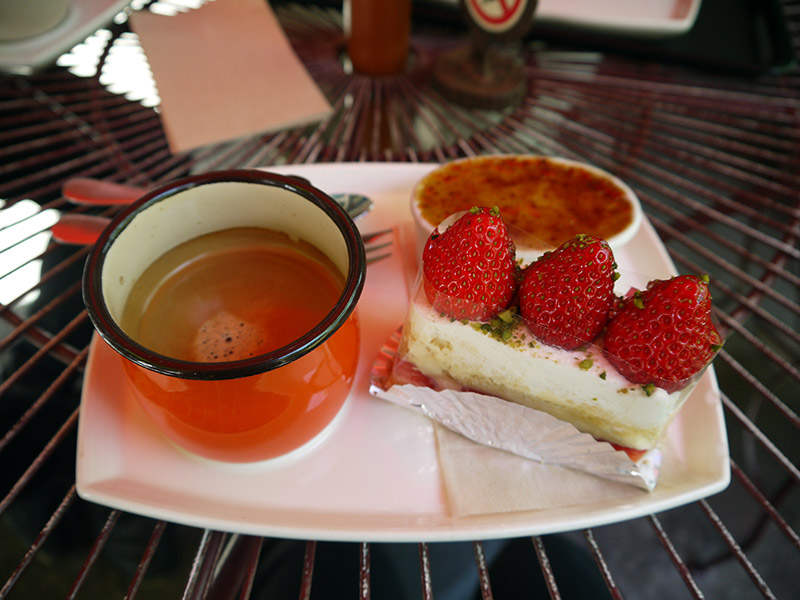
(224, 71)
(497, 456)
(483, 480)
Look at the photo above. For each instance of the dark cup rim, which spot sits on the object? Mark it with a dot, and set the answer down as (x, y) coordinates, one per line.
(129, 349)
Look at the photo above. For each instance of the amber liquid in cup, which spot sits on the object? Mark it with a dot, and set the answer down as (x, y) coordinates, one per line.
(231, 295)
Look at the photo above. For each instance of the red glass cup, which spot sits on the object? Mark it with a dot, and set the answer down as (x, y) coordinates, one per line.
(241, 410)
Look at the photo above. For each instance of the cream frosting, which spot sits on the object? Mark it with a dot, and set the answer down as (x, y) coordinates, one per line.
(581, 386)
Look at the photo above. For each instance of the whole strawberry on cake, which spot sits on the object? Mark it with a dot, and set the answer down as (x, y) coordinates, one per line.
(554, 336)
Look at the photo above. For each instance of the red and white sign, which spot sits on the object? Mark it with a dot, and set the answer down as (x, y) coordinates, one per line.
(496, 16)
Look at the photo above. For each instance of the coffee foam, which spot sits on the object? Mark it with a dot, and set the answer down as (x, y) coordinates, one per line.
(226, 337)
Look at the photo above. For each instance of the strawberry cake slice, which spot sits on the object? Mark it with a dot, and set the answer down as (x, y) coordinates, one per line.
(554, 336)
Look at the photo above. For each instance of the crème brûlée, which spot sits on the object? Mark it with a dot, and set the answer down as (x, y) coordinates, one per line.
(546, 199)
(578, 386)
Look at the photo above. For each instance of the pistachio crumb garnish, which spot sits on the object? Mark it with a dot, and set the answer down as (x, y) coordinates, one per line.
(603, 375)
(507, 316)
(502, 327)
(649, 388)
(586, 364)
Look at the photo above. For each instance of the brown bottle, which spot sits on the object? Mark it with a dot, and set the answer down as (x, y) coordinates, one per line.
(377, 36)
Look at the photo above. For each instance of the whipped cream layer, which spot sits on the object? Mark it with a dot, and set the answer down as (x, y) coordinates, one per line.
(580, 387)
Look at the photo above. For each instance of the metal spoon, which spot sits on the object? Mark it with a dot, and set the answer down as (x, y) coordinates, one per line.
(86, 191)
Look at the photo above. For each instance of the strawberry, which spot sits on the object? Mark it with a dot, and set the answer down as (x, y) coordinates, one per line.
(664, 334)
(566, 295)
(469, 269)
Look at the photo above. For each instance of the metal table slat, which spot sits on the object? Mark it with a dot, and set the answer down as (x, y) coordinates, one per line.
(715, 158)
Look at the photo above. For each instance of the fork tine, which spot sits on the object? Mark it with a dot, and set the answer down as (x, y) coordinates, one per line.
(371, 249)
(374, 247)
(374, 259)
(368, 237)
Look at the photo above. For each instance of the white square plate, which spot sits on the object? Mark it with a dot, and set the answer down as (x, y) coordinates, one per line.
(373, 475)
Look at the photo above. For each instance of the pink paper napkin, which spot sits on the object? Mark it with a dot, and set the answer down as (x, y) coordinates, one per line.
(224, 71)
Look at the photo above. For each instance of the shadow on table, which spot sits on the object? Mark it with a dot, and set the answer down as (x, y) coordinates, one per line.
(395, 573)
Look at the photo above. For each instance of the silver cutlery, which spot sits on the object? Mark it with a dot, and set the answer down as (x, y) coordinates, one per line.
(82, 229)
(86, 191)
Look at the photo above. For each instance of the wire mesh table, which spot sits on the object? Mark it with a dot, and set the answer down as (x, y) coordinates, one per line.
(715, 159)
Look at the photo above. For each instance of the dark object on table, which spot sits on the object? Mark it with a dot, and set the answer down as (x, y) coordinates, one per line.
(480, 75)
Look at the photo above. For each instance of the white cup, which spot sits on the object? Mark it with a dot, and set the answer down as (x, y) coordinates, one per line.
(22, 19)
